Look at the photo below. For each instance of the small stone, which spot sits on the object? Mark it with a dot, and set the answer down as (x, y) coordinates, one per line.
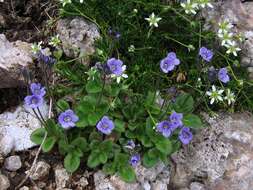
(83, 182)
(24, 188)
(4, 182)
(159, 185)
(13, 163)
(146, 185)
(41, 170)
(61, 177)
(197, 186)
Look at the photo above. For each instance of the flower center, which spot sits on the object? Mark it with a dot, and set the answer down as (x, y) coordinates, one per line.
(34, 100)
(105, 126)
(67, 119)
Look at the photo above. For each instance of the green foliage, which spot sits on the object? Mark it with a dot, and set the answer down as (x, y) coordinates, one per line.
(136, 105)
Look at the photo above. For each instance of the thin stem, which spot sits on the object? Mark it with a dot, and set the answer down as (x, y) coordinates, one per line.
(101, 94)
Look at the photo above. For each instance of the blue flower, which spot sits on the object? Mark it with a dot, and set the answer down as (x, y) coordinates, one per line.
(115, 66)
(165, 128)
(105, 125)
(176, 120)
(130, 144)
(34, 101)
(169, 63)
(37, 89)
(185, 135)
(223, 75)
(135, 159)
(45, 58)
(206, 54)
(68, 119)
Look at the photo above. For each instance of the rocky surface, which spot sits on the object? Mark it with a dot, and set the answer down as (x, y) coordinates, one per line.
(77, 36)
(240, 15)
(62, 178)
(4, 182)
(16, 128)
(14, 58)
(154, 178)
(219, 157)
(41, 171)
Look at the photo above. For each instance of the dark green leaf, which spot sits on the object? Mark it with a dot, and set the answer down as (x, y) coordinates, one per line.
(81, 143)
(93, 159)
(184, 103)
(192, 121)
(127, 173)
(102, 157)
(71, 162)
(48, 144)
(94, 86)
(149, 161)
(164, 145)
(62, 105)
(119, 125)
(37, 136)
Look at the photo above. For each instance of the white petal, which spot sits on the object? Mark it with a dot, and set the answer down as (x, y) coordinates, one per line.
(212, 101)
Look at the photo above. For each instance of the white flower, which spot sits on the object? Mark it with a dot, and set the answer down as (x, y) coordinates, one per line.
(232, 48)
(225, 26)
(215, 95)
(153, 20)
(65, 2)
(36, 47)
(123, 75)
(55, 41)
(204, 3)
(131, 48)
(226, 38)
(230, 96)
(190, 7)
(81, 1)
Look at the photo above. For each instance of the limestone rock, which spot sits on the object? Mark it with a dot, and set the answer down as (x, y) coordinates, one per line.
(78, 36)
(13, 163)
(220, 156)
(61, 177)
(41, 170)
(4, 182)
(16, 128)
(14, 58)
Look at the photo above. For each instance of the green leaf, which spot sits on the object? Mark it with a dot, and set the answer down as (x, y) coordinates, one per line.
(109, 168)
(81, 143)
(127, 173)
(94, 86)
(184, 103)
(93, 118)
(62, 105)
(106, 146)
(37, 136)
(102, 157)
(48, 144)
(119, 125)
(145, 140)
(52, 128)
(93, 159)
(63, 147)
(150, 98)
(82, 122)
(71, 162)
(149, 161)
(192, 121)
(164, 145)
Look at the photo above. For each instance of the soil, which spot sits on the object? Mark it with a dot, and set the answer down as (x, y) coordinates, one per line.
(26, 19)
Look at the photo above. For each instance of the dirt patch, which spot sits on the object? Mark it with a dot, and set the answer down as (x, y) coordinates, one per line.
(26, 19)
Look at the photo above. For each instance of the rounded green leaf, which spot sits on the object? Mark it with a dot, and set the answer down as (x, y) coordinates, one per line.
(37, 136)
(192, 121)
(71, 162)
(127, 173)
(48, 144)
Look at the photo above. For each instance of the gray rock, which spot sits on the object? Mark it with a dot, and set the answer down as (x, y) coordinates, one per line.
(78, 36)
(13, 163)
(240, 14)
(41, 170)
(14, 58)
(61, 177)
(24, 188)
(4, 182)
(159, 185)
(16, 128)
(219, 156)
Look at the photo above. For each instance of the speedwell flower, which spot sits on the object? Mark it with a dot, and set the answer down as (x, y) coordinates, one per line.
(185, 135)
(215, 95)
(115, 66)
(135, 159)
(105, 125)
(176, 120)
(190, 7)
(230, 96)
(206, 54)
(37, 89)
(165, 128)
(130, 144)
(223, 75)
(68, 119)
(232, 48)
(169, 63)
(153, 20)
(123, 75)
(33, 101)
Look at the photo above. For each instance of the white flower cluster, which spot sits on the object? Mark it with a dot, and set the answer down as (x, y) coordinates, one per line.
(65, 2)
(192, 6)
(227, 37)
(216, 95)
